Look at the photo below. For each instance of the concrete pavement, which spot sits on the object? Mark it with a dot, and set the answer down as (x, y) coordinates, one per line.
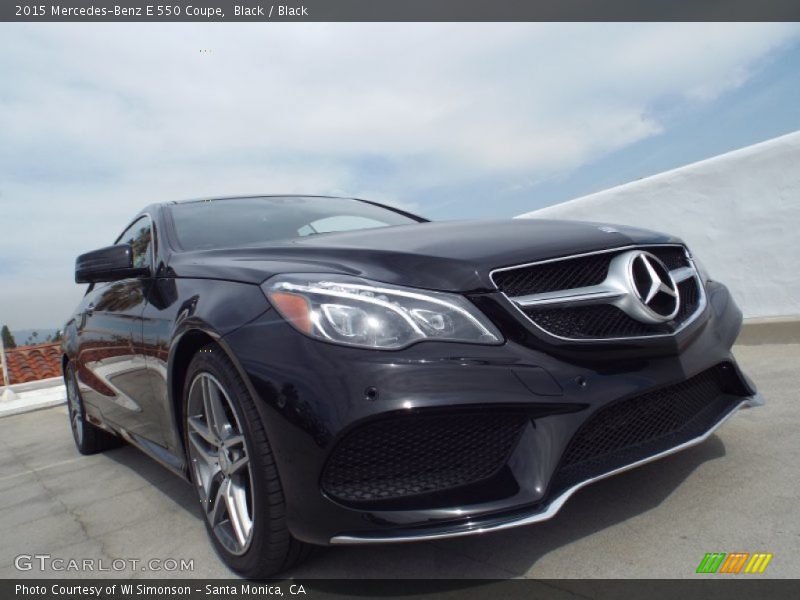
(736, 492)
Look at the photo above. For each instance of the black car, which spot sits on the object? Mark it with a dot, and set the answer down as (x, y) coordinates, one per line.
(334, 371)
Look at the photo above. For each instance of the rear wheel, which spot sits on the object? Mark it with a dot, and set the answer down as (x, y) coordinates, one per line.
(89, 439)
(233, 470)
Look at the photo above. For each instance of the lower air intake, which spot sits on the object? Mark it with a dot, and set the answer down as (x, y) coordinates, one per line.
(413, 455)
(630, 430)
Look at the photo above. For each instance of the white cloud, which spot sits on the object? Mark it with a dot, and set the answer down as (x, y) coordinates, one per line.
(99, 120)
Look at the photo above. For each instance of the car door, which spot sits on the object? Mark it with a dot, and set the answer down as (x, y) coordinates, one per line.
(111, 360)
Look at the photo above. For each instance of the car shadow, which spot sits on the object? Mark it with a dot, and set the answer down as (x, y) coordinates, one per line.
(511, 553)
(177, 489)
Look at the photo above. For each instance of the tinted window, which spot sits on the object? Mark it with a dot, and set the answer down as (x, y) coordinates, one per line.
(252, 221)
(139, 236)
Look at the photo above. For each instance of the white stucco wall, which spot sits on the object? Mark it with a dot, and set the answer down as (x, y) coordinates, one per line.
(738, 212)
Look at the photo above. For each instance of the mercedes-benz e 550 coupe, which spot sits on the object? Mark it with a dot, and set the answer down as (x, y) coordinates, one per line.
(334, 371)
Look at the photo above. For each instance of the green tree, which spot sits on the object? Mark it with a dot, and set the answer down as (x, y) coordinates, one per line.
(8, 338)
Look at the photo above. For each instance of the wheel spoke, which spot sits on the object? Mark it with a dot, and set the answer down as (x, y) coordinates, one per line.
(78, 425)
(200, 480)
(76, 421)
(197, 425)
(235, 440)
(218, 507)
(238, 464)
(237, 512)
(215, 411)
(208, 456)
(208, 411)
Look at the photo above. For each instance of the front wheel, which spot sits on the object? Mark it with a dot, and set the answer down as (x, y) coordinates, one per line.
(89, 439)
(233, 470)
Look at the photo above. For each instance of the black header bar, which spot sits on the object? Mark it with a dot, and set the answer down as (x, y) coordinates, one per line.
(398, 10)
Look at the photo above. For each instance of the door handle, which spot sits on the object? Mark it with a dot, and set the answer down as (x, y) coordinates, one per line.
(89, 310)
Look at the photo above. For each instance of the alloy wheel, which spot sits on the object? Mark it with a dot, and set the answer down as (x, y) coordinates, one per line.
(74, 407)
(220, 463)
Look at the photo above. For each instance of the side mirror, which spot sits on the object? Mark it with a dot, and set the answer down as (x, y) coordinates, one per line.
(107, 264)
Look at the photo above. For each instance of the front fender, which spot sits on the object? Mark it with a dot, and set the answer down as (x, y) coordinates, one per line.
(184, 315)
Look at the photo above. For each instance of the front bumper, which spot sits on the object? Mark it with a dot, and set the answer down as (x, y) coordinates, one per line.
(312, 395)
(542, 513)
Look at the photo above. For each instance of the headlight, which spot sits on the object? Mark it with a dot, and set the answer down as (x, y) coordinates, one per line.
(368, 314)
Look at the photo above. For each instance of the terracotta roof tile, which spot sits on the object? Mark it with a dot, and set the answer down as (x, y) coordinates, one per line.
(31, 363)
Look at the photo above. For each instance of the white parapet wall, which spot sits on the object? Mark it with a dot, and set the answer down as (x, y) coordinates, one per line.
(34, 395)
(738, 212)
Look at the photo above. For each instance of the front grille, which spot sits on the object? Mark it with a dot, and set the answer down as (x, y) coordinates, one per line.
(414, 455)
(601, 320)
(595, 321)
(632, 429)
(548, 277)
(674, 257)
(570, 273)
(690, 299)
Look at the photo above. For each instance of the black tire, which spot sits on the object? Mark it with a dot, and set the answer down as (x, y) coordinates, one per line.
(89, 439)
(270, 548)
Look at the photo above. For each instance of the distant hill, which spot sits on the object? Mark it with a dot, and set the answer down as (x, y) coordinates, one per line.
(23, 336)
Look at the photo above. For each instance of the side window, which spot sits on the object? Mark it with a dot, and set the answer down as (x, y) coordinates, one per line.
(140, 237)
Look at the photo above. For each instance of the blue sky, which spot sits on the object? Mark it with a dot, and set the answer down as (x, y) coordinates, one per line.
(448, 120)
(765, 106)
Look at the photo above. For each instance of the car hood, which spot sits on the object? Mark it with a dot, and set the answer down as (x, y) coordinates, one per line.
(450, 256)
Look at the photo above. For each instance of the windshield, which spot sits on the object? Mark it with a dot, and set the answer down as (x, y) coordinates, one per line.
(232, 222)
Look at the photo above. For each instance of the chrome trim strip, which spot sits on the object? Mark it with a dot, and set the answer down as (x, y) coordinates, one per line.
(683, 273)
(552, 508)
(594, 294)
(591, 294)
(578, 293)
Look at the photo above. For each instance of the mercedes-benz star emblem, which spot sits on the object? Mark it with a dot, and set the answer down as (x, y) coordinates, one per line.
(654, 287)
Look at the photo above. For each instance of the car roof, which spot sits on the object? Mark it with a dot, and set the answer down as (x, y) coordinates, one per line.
(241, 196)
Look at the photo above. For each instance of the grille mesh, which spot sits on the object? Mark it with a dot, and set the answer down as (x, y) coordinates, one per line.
(548, 277)
(595, 321)
(632, 429)
(674, 257)
(690, 299)
(420, 454)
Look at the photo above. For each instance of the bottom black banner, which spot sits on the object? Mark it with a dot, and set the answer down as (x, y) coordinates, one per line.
(468, 589)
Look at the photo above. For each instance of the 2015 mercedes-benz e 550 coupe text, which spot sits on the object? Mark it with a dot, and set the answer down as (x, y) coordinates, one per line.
(334, 371)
